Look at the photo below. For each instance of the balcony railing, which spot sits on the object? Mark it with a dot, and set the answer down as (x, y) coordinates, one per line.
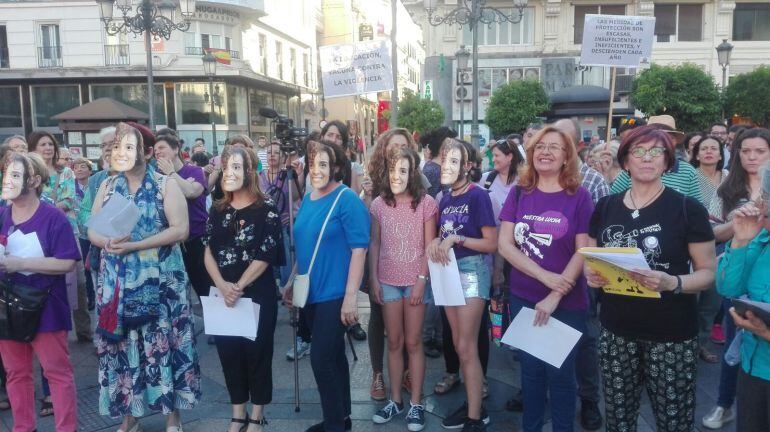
(201, 51)
(4, 63)
(116, 55)
(49, 57)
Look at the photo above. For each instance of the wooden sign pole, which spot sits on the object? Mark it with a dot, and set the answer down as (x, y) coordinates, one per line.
(612, 98)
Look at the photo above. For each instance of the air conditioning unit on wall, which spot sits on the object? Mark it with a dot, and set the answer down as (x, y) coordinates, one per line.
(463, 93)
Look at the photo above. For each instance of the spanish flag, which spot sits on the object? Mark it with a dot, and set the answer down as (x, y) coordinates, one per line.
(222, 55)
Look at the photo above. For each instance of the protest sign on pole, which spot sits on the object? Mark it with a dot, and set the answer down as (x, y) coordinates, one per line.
(616, 40)
(354, 69)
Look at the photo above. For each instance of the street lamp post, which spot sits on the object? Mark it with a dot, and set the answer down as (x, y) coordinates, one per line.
(472, 13)
(723, 56)
(210, 68)
(462, 69)
(150, 19)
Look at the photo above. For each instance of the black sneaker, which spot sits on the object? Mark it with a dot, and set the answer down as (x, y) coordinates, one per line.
(474, 426)
(590, 416)
(357, 332)
(459, 417)
(388, 412)
(319, 427)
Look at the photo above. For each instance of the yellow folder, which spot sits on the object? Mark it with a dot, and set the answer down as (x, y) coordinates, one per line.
(606, 261)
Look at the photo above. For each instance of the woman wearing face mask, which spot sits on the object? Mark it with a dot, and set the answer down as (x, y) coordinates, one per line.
(26, 213)
(544, 222)
(467, 225)
(743, 271)
(652, 342)
(751, 151)
(145, 341)
(402, 215)
(335, 277)
(243, 237)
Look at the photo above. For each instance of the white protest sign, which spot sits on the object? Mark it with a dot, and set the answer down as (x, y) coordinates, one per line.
(354, 69)
(617, 40)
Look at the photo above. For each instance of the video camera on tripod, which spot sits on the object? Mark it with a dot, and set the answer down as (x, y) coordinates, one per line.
(289, 136)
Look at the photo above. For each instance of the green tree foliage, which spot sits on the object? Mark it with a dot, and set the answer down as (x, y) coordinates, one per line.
(417, 114)
(516, 105)
(749, 95)
(684, 92)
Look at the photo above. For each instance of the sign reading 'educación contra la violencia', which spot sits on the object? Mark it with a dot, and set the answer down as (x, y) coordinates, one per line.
(617, 40)
(354, 69)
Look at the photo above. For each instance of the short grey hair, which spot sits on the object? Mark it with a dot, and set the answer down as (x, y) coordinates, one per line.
(12, 137)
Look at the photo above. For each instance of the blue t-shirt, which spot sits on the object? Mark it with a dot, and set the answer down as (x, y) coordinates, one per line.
(348, 229)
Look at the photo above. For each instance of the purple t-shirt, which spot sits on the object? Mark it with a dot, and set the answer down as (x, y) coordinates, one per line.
(546, 224)
(57, 241)
(196, 207)
(465, 215)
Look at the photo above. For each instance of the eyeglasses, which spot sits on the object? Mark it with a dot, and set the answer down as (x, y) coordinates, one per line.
(552, 147)
(641, 152)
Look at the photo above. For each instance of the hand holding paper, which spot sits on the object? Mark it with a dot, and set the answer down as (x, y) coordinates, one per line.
(551, 342)
(617, 266)
(116, 219)
(446, 282)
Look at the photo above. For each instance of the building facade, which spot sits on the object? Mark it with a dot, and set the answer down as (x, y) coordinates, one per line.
(546, 45)
(56, 55)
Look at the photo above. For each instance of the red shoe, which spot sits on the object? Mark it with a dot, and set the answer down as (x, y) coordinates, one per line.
(717, 334)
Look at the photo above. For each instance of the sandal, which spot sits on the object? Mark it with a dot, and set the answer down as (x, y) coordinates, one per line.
(243, 421)
(5, 404)
(447, 384)
(261, 423)
(46, 408)
(707, 356)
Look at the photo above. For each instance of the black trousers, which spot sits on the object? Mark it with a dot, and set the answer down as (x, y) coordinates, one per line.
(192, 254)
(451, 360)
(247, 365)
(753, 403)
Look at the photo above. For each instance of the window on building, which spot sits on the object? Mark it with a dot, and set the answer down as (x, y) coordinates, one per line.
(305, 70)
(49, 51)
(293, 64)
(193, 103)
(582, 11)
(751, 22)
(678, 22)
(281, 103)
(228, 43)
(47, 101)
(505, 33)
(10, 109)
(133, 95)
(279, 58)
(4, 58)
(237, 105)
(205, 40)
(263, 54)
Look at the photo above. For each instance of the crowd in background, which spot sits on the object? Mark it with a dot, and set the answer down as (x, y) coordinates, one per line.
(695, 204)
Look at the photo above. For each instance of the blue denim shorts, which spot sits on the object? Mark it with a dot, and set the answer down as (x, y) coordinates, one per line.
(475, 276)
(391, 293)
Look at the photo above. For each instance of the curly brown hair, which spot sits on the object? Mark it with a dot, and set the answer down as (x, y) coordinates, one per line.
(569, 177)
(414, 188)
(378, 163)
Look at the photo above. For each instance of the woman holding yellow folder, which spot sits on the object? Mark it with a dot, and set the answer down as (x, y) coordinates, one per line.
(652, 341)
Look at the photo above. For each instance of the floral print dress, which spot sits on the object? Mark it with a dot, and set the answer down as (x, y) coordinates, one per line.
(154, 366)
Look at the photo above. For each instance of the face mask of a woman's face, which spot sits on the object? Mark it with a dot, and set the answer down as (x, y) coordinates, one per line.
(234, 174)
(399, 176)
(320, 170)
(13, 181)
(450, 167)
(124, 153)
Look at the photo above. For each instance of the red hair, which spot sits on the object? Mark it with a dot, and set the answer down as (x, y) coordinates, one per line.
(569, 176)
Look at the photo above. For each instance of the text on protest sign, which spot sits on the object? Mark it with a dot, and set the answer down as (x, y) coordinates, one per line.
(354, 69)
(617, 40)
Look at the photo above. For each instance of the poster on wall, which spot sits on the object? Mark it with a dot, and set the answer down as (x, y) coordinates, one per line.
(617, 40)
(354, 69)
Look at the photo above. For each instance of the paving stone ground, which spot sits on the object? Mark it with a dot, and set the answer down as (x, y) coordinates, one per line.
(213, 413)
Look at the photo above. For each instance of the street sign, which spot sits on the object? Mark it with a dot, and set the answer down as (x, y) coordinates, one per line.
(427, 89)
(617, 40)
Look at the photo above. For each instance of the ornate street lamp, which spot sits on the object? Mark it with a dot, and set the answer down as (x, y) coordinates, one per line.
(462, 56)
(723, 55)
(472, 13)
(151, 19)
(210, 68)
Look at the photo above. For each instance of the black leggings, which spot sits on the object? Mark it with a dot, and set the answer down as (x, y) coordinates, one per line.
(450, 355)
(192, 254)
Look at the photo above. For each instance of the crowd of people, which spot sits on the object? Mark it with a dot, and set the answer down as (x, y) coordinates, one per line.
(696, 206)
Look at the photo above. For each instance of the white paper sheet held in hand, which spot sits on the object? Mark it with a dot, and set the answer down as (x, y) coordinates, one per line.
(239, 320)
(116, 219)
(446, 283)
(551, 343)
(24, 246)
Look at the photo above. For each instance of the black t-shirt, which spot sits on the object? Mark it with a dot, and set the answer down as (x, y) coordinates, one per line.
(238, 237)
(662, 231)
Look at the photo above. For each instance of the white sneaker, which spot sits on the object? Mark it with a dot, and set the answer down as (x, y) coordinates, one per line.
(718, 417)
(303, 350)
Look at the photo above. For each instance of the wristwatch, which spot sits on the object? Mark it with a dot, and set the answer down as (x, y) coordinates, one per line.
(461, 240)
(678, 289)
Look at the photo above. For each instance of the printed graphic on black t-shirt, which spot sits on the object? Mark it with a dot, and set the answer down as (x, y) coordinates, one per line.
(663, 232)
